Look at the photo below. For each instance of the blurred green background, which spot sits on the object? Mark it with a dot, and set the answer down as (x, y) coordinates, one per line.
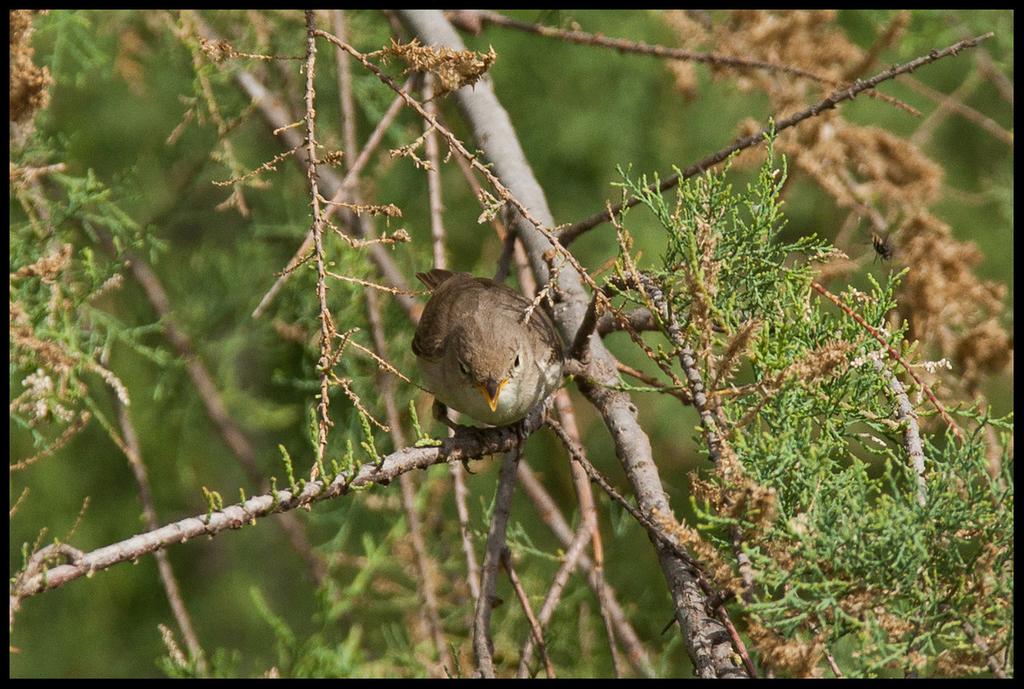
(122, 83)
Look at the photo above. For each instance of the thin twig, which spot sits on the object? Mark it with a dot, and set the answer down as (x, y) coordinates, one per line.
(737, 642)
(588, 511)
(682, 395)
(833, 665)
(77, 424)
(1002, 83)
(426, 580)
(426, 576)
(234, 437)
(990, 659)
(911, 433)
(895, 355)
(712, 433)
(657, 533)
(167, 579)
(482, 644)
(569, 234)
(954, 103)
(373, 285)
(433, 175)
(453, 142)
(584, 535)
(524, 601)
(526, 283)
(552, 598)
(276, 114)
(641, 48)
(342, 189)
(550, 514)
(462, 510)
(347, 102)
(237, 198)
(326, 324)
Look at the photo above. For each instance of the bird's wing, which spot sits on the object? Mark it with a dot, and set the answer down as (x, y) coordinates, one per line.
(544, 329)
(428, 342)
(541, 326)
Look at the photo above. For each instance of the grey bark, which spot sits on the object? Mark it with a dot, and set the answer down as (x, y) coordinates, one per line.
(706, 640)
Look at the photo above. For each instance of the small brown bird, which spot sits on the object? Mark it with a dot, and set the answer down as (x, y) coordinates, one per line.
(477, 353)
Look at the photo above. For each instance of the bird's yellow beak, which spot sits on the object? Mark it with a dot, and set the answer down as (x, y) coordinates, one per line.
(490, 390)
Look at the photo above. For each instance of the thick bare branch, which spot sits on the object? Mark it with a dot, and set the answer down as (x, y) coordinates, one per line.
(467, 444)
(706, 641)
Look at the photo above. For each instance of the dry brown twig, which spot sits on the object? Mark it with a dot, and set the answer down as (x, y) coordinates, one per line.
(503, 192)
(524, 602)
(640, 48)
(169, 581)
(326, 324)
(586, 532)
(76, 425)
(568, 235)
(482, 644)
(588, 511)
(657, 533)
(954, 103)
(636, 654)
(212, 51)
(341, 191)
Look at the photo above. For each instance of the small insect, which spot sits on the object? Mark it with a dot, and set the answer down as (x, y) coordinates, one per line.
(882, 245)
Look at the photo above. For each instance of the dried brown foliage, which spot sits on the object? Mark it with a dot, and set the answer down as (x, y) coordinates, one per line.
(29, 87)
(453, 68)
(948, 304)
(877, 175)
(796, 657)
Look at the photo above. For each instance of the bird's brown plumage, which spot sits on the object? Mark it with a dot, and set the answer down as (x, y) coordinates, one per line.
(428, 341)
(477, 351)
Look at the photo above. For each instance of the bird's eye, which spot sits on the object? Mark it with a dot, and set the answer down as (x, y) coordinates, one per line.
(464, 368)
(516, 363)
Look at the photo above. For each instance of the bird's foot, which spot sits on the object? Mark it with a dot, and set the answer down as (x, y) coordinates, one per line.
(440, 412)
(521, 430)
